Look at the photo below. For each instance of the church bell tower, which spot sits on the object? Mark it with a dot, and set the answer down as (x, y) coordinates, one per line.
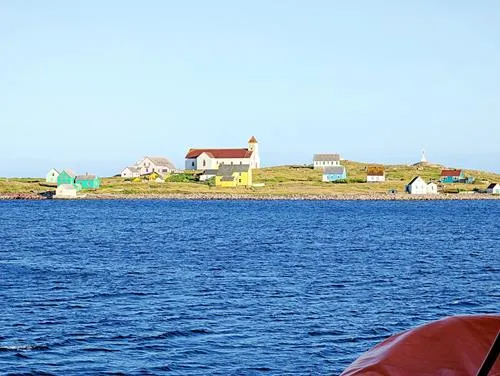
(253, 146)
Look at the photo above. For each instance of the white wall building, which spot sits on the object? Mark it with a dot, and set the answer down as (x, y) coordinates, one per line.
(66, 191)
(418, 186)
(375, 174)
(147, 165)
(130, 172)
(326, 160)
(493, 188)
(211, 159)
(51, 176)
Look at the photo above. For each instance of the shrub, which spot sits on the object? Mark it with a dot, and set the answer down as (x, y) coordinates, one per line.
(181, 178)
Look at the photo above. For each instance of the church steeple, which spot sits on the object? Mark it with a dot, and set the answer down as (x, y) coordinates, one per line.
(253, 146)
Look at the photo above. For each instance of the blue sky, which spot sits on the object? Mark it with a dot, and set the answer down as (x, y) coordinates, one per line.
(95, 85)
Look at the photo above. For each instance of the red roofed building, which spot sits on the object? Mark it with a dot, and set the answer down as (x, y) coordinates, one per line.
(208, 159)
(451, 176)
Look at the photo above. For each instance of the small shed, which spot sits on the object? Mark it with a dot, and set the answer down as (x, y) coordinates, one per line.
(88, 181)
(130, 172)
(66, 191)
(51, 176)
(493, 188)
(375, 174)
(334, 173)
(208, 174)
(66, 177)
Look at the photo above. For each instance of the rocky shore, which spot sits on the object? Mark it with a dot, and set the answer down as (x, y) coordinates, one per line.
(230, 196)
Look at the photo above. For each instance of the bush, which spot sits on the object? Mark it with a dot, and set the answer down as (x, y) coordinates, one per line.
(181, 178)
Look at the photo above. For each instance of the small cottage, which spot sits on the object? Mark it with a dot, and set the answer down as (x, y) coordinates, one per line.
(234, 176)
(207, 175)
(493, 188)
(66, 177)
(334, 173)
(51, 176)
(65, 191)
(417, 186)
(432, 188)
(452, 176)
(87, 182)
(130, 172)
(326, 160)
(375, 174)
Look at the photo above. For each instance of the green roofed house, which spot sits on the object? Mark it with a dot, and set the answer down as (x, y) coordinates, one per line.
(66, 177)
(87, 181)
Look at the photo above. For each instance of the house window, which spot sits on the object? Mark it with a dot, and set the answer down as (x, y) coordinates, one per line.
(192, 164)
(204, 163)
(239, 180)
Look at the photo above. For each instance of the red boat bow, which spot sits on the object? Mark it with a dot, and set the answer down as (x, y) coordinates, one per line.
(454, 346)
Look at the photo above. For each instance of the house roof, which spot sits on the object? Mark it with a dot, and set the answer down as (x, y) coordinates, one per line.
(54, 169)
(132, 169)
(161, 161)
(252, 140)
(492, 185)
(85, 177)
(375, 171)
(334, 170)
(220, 153)
(228, 170)
(69, 172)
(210, 172)
(414, 180)
(451, 172)
(326, 157)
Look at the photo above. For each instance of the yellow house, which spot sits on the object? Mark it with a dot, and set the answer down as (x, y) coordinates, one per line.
(234, 176)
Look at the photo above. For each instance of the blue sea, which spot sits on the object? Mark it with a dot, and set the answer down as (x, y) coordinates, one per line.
(141, 287)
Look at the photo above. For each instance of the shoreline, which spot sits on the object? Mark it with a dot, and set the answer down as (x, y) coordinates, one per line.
(256, 197)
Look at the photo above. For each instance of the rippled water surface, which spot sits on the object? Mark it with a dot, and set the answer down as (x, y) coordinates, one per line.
(232, 287)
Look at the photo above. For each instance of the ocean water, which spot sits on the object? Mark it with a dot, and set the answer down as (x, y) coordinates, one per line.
(233, 287)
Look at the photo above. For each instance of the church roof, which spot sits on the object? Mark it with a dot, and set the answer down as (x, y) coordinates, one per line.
(220, 153)
(252, 140)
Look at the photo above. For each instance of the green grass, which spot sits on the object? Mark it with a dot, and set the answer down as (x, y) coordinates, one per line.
(279, 180)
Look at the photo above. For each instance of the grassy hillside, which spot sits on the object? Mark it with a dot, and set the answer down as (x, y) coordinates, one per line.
(280, 180)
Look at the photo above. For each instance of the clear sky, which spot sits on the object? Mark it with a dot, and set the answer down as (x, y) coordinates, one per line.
(95, 85)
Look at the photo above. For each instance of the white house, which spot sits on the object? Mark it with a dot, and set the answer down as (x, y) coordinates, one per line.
(51, 176)
(147, 165)
(418, 186)
(375, 174)
(432, 188)
(130, 172)
(208, 174)
(211, 159)
(326, 160)
(66, 191)
(493, 188)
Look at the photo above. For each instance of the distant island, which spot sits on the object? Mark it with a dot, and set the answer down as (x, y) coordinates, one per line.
(280, 182)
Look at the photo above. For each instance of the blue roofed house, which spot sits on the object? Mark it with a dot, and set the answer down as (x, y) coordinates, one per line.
(334, 173)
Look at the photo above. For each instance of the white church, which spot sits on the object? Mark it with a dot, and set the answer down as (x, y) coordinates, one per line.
(211, 159)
